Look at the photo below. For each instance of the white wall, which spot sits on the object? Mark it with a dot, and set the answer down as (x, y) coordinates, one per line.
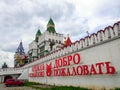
(33, 45)
(108, 51)
(101, 47)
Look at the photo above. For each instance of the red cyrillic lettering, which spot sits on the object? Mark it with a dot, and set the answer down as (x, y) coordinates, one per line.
(60, 62)
(76, 58)
(63, 72)
(56, 72)
(110, 69)
(74, 71)
(92, 70)
(64, 61)
(69, 59)
(68, 72)
(99, 65)
(56, 64)
(85, 70)
(40, 74)
(79, 70)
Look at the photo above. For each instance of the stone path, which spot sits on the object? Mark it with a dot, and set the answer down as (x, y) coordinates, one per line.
(3, 87)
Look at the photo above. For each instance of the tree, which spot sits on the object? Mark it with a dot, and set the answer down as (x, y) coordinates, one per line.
(4, 65)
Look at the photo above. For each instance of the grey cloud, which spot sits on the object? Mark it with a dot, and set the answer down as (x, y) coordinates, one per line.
(17, 21)
(108, 9)
(76, 27)
(9, 48)
(9, 2)
(20, 19)
(56, 11)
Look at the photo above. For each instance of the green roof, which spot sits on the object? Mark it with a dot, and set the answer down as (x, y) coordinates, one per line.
(37, 35)
(51, 29)
(51, 26)
(51, 22)
(38, 32)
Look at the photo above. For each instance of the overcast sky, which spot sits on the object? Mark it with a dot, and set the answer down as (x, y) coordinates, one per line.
(20, 19)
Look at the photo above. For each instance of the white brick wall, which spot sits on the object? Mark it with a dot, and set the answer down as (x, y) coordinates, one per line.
(104, 49)
(109, 51)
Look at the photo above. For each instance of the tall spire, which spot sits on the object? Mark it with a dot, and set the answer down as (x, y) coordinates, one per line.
(37, 35)
(51, 22)
(19, 57)
(20, 49)
(38, 32)
(51, 26)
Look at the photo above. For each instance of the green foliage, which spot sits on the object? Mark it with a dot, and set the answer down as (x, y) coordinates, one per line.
(67, 88)
(39, 86)
(4, 65)
(117, 88)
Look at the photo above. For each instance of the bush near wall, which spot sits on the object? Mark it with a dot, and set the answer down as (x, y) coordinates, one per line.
(117, 88)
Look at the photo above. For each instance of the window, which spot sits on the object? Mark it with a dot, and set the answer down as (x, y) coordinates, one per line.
(52, 40)
(59, 42)
(56, 41)
(49, 40)
(42, 48)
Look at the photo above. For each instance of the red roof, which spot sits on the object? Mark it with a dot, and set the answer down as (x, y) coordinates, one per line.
(68, 42)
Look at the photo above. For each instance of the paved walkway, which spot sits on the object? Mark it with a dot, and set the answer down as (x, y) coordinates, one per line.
(3, 87)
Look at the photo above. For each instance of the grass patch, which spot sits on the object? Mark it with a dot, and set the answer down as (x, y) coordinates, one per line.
(31, 83)
(67, 88)
(39, 86)
(117, 88)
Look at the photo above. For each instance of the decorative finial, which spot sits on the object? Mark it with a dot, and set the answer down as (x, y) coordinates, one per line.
(87, 33)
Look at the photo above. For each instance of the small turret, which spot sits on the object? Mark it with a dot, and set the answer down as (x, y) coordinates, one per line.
(51, 26)
(68, 41)
(37, 35)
